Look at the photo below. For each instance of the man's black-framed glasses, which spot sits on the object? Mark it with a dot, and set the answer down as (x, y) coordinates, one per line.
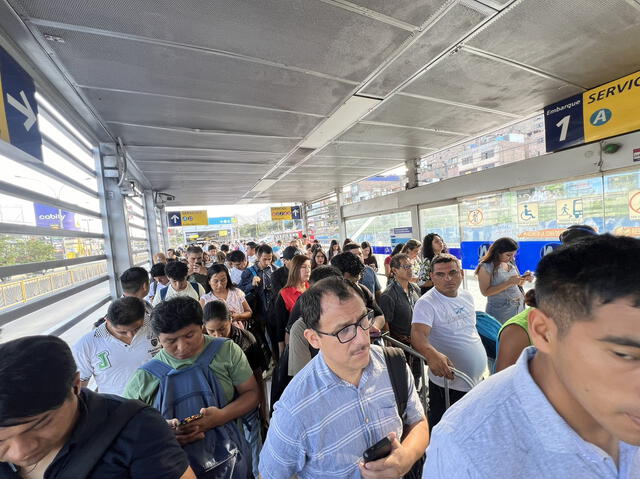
(350, 331)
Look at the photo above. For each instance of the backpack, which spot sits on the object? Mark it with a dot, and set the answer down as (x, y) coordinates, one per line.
(488, 328)
(223, 453)
(397, 367)
(163, 291)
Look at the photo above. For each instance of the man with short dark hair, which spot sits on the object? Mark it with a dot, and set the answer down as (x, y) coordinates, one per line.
(51, 428)
(444, 331)
(178, 324)
(177, 271)
(281, 275)
(342, 402)
(197, 271)
(237, 262)
(160, 280)
(569, 407)
(135, 283)
(252, 255)
(369, 277)
(113, 351)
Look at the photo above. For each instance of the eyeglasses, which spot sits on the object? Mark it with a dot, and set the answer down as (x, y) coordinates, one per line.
(405, 267)
(350, 331)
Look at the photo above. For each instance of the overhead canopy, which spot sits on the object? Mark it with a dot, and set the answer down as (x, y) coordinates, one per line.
(212, 96)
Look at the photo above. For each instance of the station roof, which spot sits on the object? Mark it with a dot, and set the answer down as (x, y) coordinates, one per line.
(212, 98)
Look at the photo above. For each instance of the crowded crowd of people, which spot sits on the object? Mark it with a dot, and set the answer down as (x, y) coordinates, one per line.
(272, 360)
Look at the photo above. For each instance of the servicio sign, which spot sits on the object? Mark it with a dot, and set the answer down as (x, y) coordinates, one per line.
(18, 107)
(187, 218)
(602, 112)
(285, 213)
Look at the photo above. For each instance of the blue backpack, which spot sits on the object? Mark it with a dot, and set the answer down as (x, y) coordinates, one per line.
(223, 453)
(488, 328)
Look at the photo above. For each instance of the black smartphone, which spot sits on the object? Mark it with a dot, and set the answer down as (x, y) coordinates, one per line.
(189, 419)
(380, 449)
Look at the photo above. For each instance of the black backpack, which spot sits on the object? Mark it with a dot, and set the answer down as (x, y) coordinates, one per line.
(397, 367)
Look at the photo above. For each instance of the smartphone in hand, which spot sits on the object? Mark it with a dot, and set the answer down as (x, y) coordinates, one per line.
(379, 450)
(190, 419)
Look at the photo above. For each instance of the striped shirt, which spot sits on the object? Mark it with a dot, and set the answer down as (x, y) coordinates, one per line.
(322, 424)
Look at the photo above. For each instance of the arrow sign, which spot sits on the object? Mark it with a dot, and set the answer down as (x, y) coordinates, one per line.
(175, 218)
(295, 212)
(18, 107)
(24, 108)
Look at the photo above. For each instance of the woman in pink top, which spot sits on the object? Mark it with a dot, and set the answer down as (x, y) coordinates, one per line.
(222, 289)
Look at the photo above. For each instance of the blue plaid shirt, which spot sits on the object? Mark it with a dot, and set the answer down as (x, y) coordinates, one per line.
(322, 424)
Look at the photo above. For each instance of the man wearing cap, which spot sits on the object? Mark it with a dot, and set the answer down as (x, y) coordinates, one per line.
(280, 276)
(51, 427)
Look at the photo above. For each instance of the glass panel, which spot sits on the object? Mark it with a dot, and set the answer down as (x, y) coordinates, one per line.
(21, 175)
(622, 203)
(377, 229)
(487, 218)
(61, 139)
(22, 249)
(507, 145)
(543, 212)
(140, 257)
(322, 220)
(58, 116)
(24, 212)
(137, 232)
(374, 186)
(442, 220)
(64, 166)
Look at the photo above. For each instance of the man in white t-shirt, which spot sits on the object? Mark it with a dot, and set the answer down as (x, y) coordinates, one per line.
(177, 272)
(113, 351)
(444, 331)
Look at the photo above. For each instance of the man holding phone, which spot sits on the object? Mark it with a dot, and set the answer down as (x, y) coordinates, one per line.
(342, 402)
(197, 271)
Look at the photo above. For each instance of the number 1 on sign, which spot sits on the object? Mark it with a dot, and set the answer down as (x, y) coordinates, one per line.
(564, 123)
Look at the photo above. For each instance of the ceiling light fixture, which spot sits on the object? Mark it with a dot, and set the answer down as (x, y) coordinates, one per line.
(349, 113)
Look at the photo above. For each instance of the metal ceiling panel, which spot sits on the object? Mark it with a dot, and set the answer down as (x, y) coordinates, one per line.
(295, 157)
(585, 42)
(138, 135)
(158, 110)
(310, 34)
(367, 150)
(443, 35)
(106, 62)
(182, 169)
(472, 79)
(415, 12)
(411, 111)
(399, 136)
(153, 153)
(378, 164)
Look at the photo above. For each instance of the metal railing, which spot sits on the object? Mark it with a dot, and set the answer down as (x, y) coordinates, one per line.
(23, 291)
(423, 388)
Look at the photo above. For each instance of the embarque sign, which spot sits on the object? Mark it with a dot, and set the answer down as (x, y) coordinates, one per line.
(602, 112)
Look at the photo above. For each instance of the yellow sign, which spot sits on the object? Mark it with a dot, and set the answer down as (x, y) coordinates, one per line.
(4, 127)
(569, 211)
(475, 217)
(281, 213)
(194, 218)
(634, 205)
(528, 214)
(223, 233)
(612, 109)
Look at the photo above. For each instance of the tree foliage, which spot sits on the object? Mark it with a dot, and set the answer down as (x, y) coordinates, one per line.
(24, 249)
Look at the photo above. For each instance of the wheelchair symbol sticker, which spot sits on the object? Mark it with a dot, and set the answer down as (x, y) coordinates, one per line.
(528, 213)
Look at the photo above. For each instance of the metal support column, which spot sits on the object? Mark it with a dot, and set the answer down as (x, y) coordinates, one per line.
(342, 227)
(305, 224)
(152, 227)
(412, 173)
(165, 228)
(117, 244)
(415, 223)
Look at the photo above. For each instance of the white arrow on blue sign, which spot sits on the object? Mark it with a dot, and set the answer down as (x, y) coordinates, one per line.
(175, 219)
(295, 212)
(18, 107)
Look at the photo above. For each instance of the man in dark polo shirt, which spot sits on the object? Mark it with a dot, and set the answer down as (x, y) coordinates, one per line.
(50, 428)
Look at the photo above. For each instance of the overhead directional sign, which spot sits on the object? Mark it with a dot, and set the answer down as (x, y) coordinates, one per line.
(602, 112)
(18, 107)
(223, 220)
(174, 218)
(194, 218)
(285, 213)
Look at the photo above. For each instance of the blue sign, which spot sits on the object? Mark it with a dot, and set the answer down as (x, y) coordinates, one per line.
(50, 217)
(527, 257)
(174, 218)
(221, 220)
(18, 108)
(563, 123)
(295, 212)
